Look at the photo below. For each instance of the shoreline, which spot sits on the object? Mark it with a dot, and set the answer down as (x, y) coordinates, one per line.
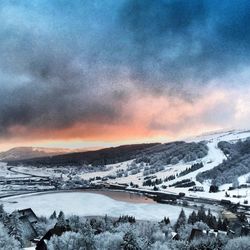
(118, 195)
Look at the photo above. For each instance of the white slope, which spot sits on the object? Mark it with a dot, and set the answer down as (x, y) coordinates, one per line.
(214, 158)
(231, 136)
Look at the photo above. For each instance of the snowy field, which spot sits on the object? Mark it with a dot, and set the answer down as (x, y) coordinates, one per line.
(5, 173)
(90, 204)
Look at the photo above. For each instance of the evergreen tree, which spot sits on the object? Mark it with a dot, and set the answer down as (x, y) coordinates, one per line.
(214, 223)
(61, 220)
(87, 238)
(1, 209)
(192, 218)
(213, 189)
(6, 241)
(166, 221)
(220, 224)
(130, 242)
(53, 216)
(68, 241)
(181, 220)
(211, 220)
(4, 218)
(108, 241)
(201, 215)
(16, 228)
(225, 225)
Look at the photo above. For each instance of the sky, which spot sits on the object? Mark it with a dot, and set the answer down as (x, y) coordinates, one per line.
(89, 73)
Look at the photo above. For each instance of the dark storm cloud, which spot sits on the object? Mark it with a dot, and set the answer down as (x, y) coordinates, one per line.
(64, 62)
(52, 70)
(177, 41)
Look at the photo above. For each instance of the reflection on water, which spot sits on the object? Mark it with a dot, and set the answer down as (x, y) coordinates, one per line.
(123, 196)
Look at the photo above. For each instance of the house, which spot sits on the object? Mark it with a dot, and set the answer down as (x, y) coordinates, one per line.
(31, 216)
(56, 231)
(175, 236)
(198, 188)
(215, 232)
(195, 233)
(28, 228)
(28, 218)
(231, 217)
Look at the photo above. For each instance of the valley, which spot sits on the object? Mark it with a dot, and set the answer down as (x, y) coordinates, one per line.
(173, 183)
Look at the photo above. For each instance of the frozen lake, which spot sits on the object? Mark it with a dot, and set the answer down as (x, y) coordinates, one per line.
(91, 204)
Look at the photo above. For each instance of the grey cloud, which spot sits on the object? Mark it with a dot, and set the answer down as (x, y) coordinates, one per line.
(62, 61)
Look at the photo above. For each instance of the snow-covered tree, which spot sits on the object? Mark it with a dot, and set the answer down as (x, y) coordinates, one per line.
(7, 242)
(108, 241)
(16, 228)
(67, 241)
(53, 216)
(158, 245)
(174, 161)
(241, 243)
(61, 219)
(192, 218)
(201, 225)
(44, 225)
(130, 242)
(87, 238)
(184, 231)
(201, 215)
(4, 218)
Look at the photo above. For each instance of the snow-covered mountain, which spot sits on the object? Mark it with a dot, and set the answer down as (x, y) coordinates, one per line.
(20, 153)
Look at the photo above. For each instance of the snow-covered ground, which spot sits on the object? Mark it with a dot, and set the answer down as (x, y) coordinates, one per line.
(5, 173)
(232, 135)
(111, 169)
(91, 204)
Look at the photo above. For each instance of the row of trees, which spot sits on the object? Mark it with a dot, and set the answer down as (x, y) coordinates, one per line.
(125, 233)
(173, 153)
(152, 182)
(107, 233)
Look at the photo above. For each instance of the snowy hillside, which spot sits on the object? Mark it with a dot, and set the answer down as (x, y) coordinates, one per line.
(171, 177)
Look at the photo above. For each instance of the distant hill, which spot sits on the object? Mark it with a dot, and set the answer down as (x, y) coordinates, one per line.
(21, 153)
(97, 157)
